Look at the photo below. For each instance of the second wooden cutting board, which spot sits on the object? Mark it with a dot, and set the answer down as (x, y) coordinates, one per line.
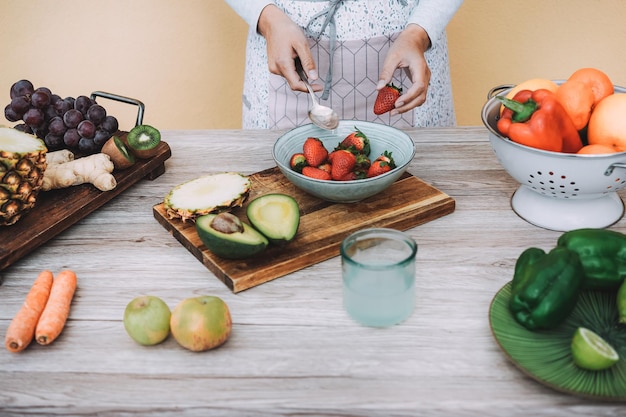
(409, 202)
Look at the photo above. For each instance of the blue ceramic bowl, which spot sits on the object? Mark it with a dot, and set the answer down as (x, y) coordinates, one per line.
(382, 138)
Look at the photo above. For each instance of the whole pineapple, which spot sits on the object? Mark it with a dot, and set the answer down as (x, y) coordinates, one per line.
(22, 166)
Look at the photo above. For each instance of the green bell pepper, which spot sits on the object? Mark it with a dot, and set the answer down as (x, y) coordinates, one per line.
(545, 287)
(621, 303)
(602, 253)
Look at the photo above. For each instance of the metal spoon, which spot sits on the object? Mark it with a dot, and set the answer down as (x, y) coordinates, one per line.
(322, 116)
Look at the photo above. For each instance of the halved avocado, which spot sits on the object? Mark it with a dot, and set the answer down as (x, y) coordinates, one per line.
(228, 237)
(277, 216)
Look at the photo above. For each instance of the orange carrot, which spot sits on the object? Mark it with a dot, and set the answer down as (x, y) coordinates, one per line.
(57, 309)
(22, 328)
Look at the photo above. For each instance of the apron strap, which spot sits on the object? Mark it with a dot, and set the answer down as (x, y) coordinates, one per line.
(329, 21)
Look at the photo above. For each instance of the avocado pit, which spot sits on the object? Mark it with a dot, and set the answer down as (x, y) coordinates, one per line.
(227, 223)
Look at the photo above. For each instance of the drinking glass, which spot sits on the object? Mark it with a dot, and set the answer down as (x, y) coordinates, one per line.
(378, 271)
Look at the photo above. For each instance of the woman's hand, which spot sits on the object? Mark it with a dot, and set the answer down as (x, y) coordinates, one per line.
(286, 41)
(407, 52)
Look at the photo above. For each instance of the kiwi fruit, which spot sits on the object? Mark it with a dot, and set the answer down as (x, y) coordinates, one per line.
(143, 141)
(121, 157)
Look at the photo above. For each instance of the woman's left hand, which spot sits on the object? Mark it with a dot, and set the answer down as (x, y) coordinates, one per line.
(407, 52)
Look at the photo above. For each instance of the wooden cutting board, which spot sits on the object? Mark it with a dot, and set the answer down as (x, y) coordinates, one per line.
(323, 225)
(56, 210)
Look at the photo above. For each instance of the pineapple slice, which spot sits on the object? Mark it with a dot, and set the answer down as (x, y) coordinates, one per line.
(22, 165)
(207, 194)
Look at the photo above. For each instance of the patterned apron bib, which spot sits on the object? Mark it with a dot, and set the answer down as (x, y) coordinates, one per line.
(349, 40)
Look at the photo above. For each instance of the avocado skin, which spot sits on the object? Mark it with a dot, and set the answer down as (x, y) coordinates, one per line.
(230, 245)
(277, 231)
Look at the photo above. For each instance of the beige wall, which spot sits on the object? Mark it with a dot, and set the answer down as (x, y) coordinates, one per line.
(184, 59)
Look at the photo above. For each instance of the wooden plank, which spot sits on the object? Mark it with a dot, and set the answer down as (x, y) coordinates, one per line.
(56, 210)
(409, 202)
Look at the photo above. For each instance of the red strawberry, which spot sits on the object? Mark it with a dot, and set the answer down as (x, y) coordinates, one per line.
(314, 152)
(297, 162)
(342, 162)
(377, 168)
(363, 163)
(325, 167)
(348, 177)
(318, 174)
(386, 98)
(386, 157)
(382, 164)
(355, 142)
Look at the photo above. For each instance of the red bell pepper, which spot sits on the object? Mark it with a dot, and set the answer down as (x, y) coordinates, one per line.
(537, 119)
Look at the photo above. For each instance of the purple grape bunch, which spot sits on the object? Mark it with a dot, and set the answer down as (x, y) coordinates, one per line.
(78, 124)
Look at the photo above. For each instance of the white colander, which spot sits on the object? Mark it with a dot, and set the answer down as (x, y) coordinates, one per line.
(558, 191)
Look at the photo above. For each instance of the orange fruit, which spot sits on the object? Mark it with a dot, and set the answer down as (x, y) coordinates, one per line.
(577, 99)
(532, 85)
(596, 148)
(607, 124)
(597, 80)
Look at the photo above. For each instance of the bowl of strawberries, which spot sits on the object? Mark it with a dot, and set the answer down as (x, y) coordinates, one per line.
(355, 161)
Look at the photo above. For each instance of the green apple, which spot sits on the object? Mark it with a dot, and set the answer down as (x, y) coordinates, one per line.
(201, 323)
(147, 320)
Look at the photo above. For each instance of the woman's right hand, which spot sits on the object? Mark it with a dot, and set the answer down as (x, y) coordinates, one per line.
(286, 41)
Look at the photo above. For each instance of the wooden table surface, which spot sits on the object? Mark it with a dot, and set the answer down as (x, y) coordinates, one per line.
(293, 350)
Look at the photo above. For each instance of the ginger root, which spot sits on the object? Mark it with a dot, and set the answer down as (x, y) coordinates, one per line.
(95, 169)
(59, 157)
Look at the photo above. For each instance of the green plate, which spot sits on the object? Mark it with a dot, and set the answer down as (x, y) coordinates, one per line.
(545, 355)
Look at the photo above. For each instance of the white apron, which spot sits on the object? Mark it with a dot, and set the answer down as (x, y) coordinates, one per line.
(359, 34)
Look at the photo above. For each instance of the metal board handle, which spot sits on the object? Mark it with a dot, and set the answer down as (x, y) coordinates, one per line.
(128, 100)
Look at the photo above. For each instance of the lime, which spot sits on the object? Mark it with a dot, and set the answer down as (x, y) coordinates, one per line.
(592, 352)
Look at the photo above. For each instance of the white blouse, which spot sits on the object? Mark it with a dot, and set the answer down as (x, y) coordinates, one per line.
(268, 103)
(432, 15)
